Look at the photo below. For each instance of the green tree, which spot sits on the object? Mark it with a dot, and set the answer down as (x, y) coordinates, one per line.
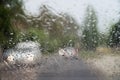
(10, 11)
(90, 32)
(58, 29)
(114, 36)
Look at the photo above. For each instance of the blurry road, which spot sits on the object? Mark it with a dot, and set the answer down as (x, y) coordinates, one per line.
(54, 68)
(72, 69)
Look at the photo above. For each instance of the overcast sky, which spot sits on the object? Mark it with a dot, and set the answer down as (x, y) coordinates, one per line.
(108, 11)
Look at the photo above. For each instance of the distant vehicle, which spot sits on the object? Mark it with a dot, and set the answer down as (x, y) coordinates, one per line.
(68, 52)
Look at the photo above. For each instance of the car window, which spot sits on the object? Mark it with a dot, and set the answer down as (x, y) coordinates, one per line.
(60, 39)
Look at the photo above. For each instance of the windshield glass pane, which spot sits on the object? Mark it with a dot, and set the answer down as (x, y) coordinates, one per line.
(60, 39)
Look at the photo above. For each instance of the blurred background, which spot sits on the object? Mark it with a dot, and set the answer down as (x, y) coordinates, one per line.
(83, 24)
(90, 26)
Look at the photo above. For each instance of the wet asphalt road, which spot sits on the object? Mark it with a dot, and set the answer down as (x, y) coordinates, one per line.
(54, 68)
(74, 70)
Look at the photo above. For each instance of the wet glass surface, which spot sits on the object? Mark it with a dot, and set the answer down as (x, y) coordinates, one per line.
(60, 40)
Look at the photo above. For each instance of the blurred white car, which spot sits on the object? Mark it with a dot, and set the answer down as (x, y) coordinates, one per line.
(23, 53)
(68, 52)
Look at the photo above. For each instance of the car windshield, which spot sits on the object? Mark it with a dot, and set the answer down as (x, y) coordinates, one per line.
(59, 40)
